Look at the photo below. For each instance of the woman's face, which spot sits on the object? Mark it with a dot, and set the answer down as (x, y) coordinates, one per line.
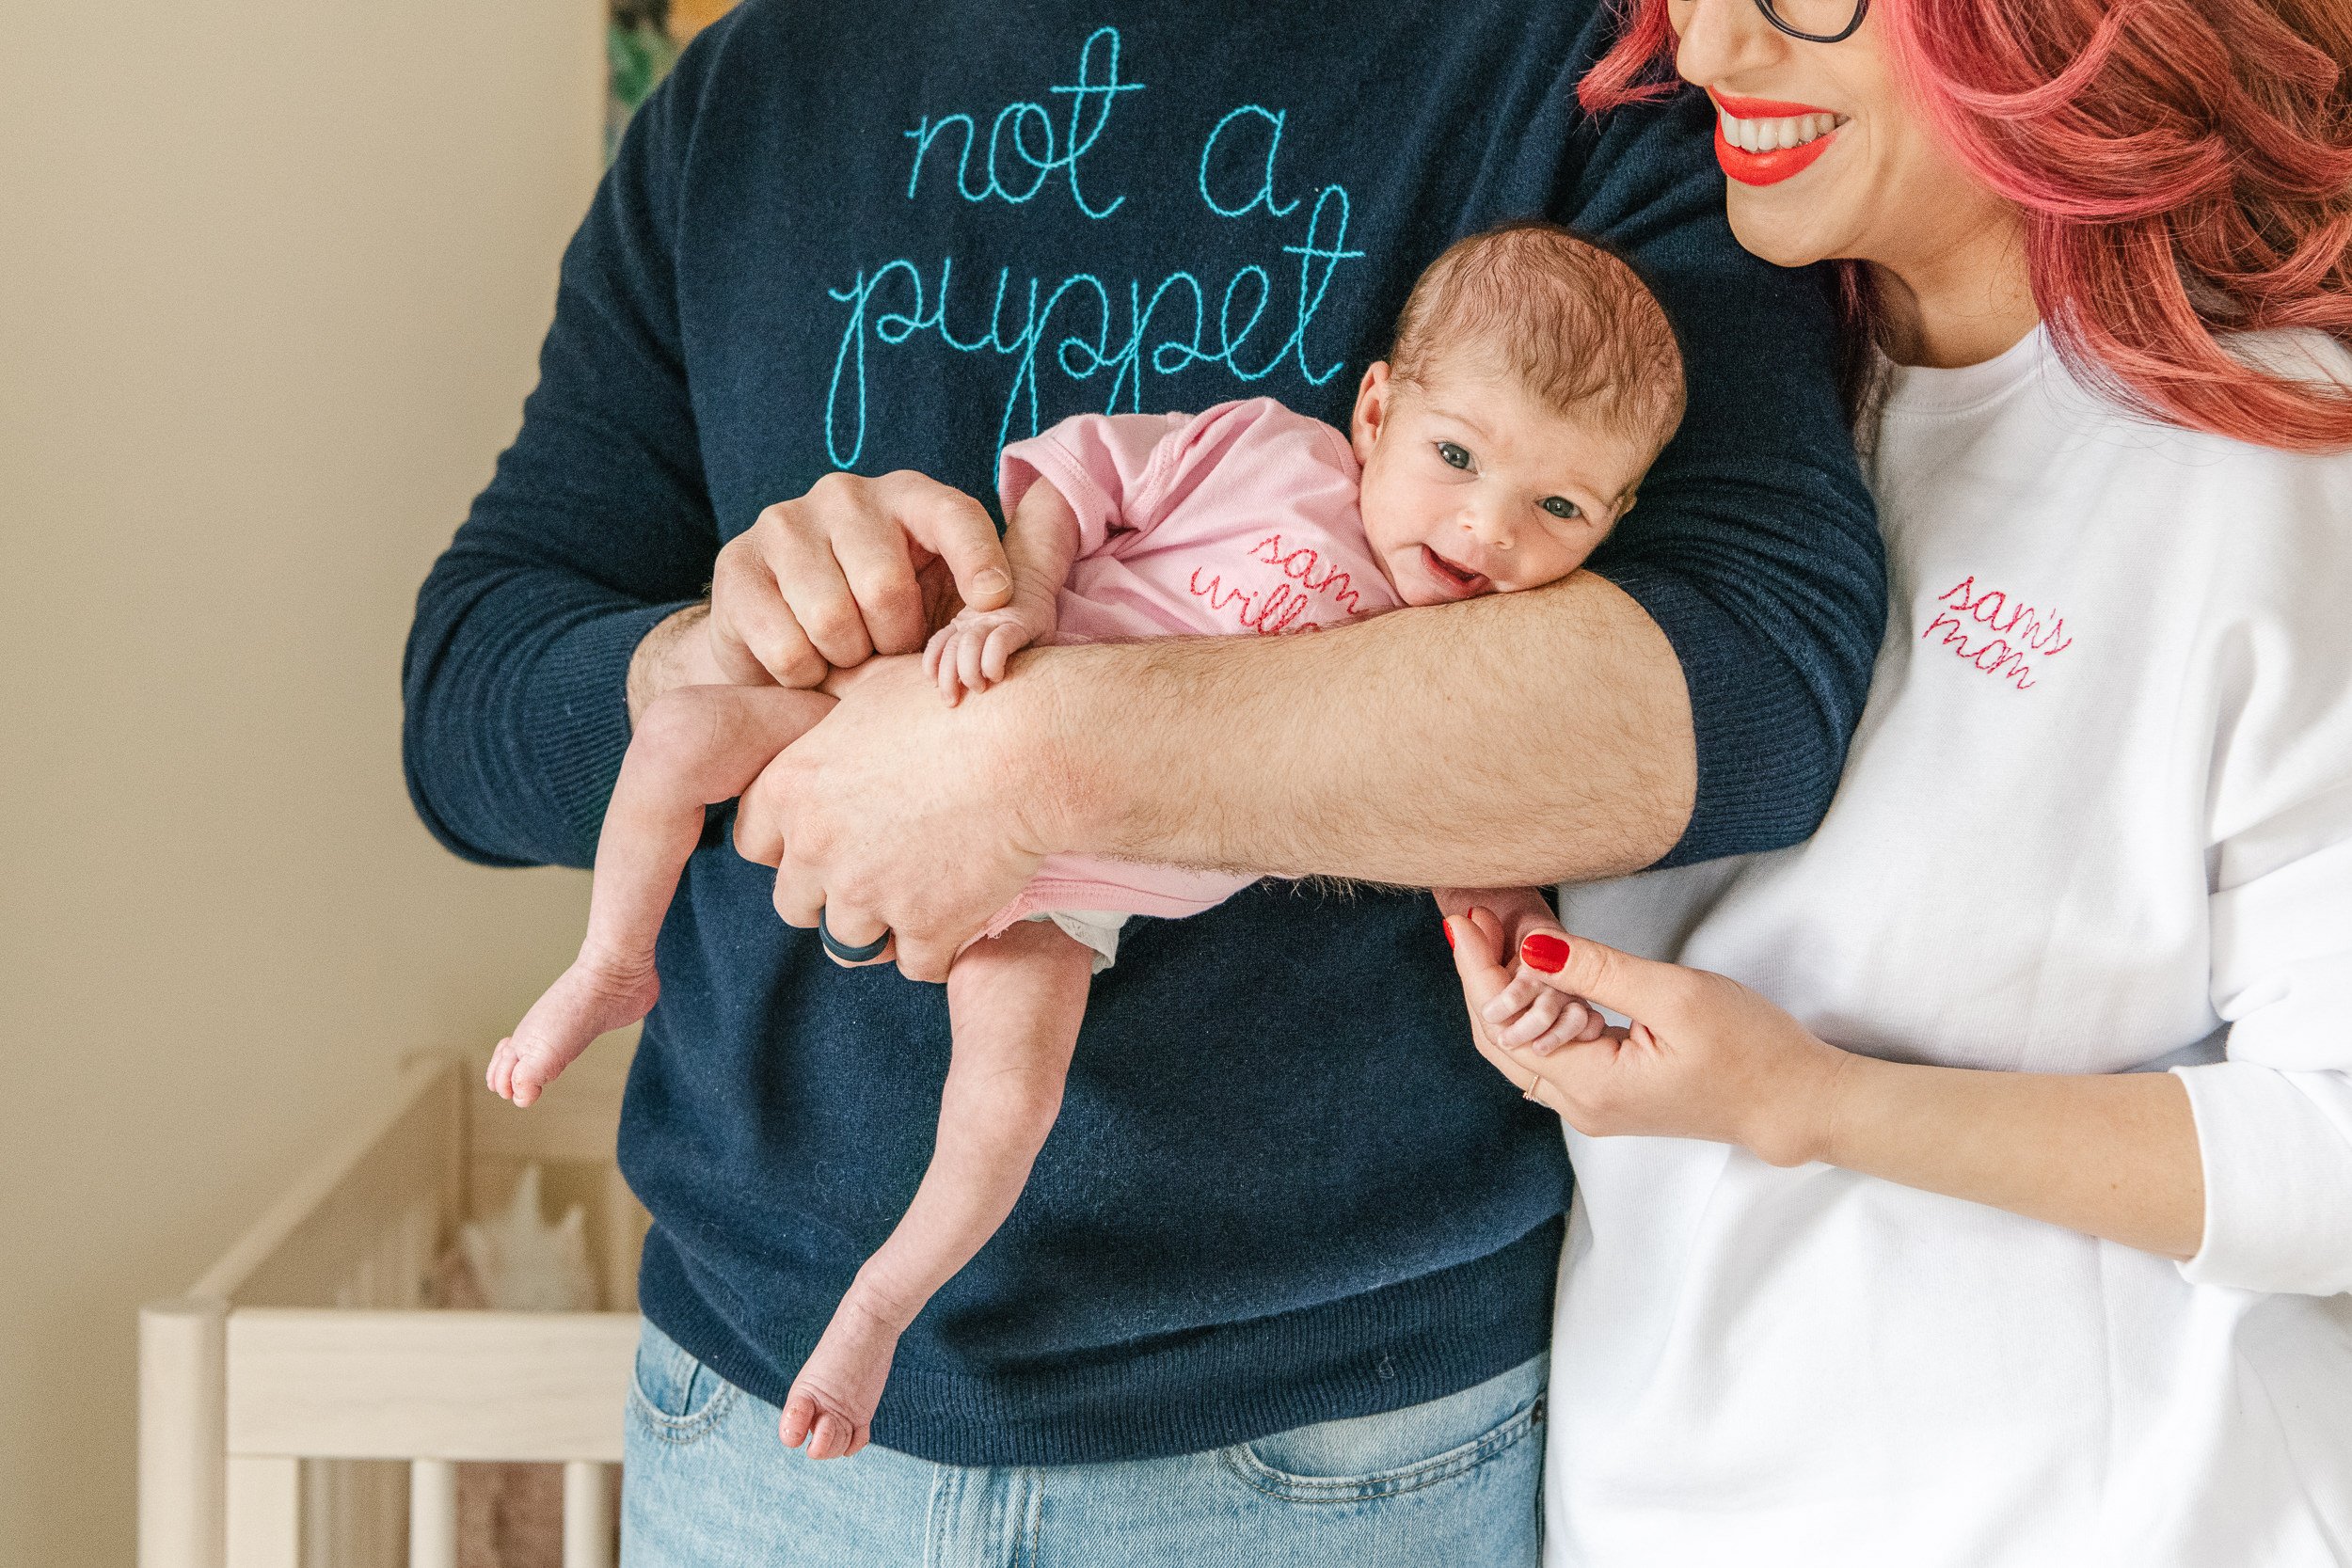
(1825, 154)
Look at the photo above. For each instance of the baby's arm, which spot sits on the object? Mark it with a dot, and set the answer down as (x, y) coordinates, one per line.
(1527, 1012)
(969, 653)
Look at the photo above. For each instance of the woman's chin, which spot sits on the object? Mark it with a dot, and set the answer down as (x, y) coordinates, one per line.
(1784, 232)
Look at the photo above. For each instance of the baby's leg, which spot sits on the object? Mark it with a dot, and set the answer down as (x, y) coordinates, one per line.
(1014, 1005)
(693, 748)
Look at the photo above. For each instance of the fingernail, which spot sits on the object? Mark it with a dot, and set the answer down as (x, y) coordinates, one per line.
(1545, 952)
(988, 580)
(1447, 926)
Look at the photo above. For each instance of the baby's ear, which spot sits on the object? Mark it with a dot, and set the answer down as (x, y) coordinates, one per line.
(1371, 410)
(1625, 502)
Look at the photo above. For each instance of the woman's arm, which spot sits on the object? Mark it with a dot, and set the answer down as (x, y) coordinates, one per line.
(2111, 1156)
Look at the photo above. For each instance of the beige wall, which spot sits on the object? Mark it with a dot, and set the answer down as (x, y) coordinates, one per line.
(272, 277)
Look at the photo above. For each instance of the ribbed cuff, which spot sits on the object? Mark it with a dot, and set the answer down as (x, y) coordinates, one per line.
(1765, 765)
(576, 716)
(2277, 1179)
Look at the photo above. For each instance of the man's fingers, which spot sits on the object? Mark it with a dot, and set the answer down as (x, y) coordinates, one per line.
(958, 530)
(849, 927)
(1639, 987)
(881, 574)
(753, 635)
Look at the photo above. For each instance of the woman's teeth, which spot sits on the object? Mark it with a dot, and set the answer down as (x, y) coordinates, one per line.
(1771, 136)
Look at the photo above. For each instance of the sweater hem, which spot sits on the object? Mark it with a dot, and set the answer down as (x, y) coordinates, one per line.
(1191, 1391)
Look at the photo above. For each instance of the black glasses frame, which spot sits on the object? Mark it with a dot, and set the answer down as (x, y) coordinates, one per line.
(1861, 10)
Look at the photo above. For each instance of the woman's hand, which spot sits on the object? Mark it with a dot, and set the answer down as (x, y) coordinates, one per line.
(1705, 1057)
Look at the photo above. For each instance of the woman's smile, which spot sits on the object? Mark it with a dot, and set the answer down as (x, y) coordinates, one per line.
(1763, 141)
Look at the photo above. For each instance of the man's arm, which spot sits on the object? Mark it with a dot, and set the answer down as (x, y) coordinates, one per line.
(595, 530)
(1513, 740)
(1690, 695)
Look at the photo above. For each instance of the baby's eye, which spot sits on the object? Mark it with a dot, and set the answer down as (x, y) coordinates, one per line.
(1456, 457)
(1560, 506)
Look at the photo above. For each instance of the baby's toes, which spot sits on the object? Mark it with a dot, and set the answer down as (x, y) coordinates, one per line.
(799, 1418)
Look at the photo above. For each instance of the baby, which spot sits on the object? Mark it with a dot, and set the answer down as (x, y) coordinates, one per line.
(1532, 381)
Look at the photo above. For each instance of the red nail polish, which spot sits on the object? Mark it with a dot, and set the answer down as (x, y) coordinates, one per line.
(1545, 952)
(1447, 926)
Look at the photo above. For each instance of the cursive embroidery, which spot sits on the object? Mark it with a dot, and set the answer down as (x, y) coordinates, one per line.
(1279, 608)
(2013, 629)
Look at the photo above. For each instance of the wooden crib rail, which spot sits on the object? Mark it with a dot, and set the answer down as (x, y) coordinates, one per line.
(533, 1387)
(307, 1341)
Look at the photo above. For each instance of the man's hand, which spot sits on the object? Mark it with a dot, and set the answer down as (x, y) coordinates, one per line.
(841, 574)
(897, 812)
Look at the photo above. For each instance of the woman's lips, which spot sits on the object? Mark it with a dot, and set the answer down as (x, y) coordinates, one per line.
(1460, 582)
(1762, 141)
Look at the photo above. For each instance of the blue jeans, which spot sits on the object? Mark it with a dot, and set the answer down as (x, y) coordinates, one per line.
(1453, 1483)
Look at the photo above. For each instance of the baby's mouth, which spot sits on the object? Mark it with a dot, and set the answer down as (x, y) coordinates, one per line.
(1458, 580)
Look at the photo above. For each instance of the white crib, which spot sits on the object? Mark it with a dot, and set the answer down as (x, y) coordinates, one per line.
(304, 1407)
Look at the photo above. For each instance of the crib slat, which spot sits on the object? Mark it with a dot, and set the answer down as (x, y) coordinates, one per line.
(587, 1516)
(266, 1513)
(433, 1514)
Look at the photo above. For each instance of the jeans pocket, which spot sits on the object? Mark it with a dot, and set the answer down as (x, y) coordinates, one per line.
(1406, 1450)
(675, 1396)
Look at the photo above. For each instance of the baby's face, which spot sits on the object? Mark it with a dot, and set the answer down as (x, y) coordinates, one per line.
(1471, 486)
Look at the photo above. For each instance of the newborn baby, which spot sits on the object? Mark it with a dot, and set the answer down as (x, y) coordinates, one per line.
(1532, 381)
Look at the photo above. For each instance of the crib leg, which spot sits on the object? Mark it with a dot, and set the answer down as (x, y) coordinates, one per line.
(587, 1516)
(432, 1514)
(183, 1434)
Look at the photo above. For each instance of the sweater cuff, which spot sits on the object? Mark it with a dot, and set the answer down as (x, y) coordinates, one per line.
(576, 716)
(1767, 766)
(2278, 1178)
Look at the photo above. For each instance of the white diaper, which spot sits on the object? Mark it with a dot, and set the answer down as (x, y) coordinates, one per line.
(1094, 928)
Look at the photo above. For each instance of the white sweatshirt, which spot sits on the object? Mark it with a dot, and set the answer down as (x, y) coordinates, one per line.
(2098, 818)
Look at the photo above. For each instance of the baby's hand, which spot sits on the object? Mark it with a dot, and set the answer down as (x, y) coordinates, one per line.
(969, 653)
(1525, 1014)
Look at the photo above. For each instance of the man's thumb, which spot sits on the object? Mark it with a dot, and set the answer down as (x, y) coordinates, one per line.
(1585, 969)
(968, 543)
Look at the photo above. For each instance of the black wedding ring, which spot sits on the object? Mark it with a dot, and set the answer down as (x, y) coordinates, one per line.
(843, 951)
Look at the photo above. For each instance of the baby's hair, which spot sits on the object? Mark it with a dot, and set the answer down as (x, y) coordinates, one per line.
(1571, 321)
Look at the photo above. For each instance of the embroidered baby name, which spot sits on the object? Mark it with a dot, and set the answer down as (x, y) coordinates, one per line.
(1272, 610)
(1999, 635)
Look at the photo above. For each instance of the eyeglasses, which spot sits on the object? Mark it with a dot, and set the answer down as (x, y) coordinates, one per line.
(1816, 21)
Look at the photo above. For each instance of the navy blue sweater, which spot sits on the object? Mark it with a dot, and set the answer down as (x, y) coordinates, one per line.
(893, 234)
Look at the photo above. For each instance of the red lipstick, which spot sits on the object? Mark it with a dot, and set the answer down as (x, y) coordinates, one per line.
(1766, 168)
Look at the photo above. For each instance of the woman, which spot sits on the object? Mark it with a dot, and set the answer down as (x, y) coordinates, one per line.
(1925, 1270)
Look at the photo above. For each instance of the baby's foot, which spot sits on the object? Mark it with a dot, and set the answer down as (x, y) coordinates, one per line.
(832, 1403)
(587, 1000)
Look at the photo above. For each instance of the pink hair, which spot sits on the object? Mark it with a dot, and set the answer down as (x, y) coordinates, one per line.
(2185, 168)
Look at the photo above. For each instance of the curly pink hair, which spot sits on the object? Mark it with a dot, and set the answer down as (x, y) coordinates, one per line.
(2185, 168)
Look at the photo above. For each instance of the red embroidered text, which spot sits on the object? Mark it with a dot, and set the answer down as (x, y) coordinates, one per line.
(1272, 610)
(1999, 635)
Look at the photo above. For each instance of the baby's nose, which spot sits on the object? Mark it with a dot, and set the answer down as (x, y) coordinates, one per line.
(1491, 531)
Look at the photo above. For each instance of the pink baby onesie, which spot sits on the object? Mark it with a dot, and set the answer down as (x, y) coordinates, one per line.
(1240, 519)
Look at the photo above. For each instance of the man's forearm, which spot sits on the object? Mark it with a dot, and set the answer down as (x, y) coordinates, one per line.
(1520, 738)
(673, 653)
